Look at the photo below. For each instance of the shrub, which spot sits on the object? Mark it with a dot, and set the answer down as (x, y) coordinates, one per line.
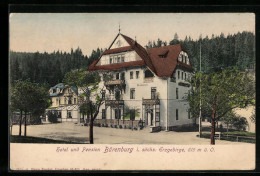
(52, 116)
(240, 123)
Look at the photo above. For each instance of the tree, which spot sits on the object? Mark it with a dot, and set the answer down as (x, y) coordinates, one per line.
(52, 116)
(28, 98)
(229, 118)
(88, 82)
(221, 92)
(240, 123)
(175, 39)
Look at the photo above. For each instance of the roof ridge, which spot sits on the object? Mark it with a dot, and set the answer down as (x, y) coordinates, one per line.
(144, 56)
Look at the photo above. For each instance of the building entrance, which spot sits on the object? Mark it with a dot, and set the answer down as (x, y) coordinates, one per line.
(149, 118)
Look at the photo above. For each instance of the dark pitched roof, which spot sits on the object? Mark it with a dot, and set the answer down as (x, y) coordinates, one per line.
(140, 51)
(166, 65)
(162, 60)
(62, 86)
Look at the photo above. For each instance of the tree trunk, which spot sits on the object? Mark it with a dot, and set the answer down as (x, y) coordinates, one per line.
(25, 113)
(212, 142)
(20, 123)
(91, 140)
(227, 129)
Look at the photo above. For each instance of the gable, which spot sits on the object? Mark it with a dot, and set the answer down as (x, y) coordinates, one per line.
(119, 43)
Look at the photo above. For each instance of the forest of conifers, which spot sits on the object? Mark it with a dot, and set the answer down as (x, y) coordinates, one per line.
(217, 52)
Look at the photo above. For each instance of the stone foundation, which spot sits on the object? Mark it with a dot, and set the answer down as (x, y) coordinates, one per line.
(116, 122)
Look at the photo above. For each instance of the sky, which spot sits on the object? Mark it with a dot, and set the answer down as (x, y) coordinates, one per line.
(31, 32)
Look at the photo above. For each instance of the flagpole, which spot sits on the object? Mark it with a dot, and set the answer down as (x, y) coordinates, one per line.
(200, 126)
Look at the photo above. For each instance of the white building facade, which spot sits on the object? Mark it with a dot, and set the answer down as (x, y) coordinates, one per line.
(64, 103)
(148, 86)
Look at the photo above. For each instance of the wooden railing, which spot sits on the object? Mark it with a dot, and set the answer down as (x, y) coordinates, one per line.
(151, 101)
(114, 82)
(114, 102)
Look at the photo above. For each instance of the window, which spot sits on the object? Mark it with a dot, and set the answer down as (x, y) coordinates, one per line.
(132, 93)
(53, 90)
(131, 75)
(59, 114)
(185, 57)
(122, 58)
(117, 95)
(148, 74)
(110, 60)
(157, 116)
(75, 101)
(65, 100)
(57, 100)
(117, 75)
(188, 114)
(69, 114)
(182, 58)
(103, 94)
(117, 113)
(103, 113)
(137, 74)
(182, 75)
(123, 76)
(178, 74)
(132, 114)
(177, 114)
(153, 93)
(69, 102)
(118, 59)
(177, 93)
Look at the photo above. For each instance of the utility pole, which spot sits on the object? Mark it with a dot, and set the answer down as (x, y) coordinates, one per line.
(200, 97)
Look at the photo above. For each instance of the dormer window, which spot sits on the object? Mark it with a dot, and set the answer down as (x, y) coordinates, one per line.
(53, 90)
(164, 55)
(148, 74)
(122, 58)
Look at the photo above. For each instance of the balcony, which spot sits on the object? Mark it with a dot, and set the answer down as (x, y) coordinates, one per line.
(114, 82)
(151, 101)
(114, 102)
(185, 84)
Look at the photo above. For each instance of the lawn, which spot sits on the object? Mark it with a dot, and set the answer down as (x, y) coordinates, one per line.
(238, 136)
(30, 139)
(240, 133)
